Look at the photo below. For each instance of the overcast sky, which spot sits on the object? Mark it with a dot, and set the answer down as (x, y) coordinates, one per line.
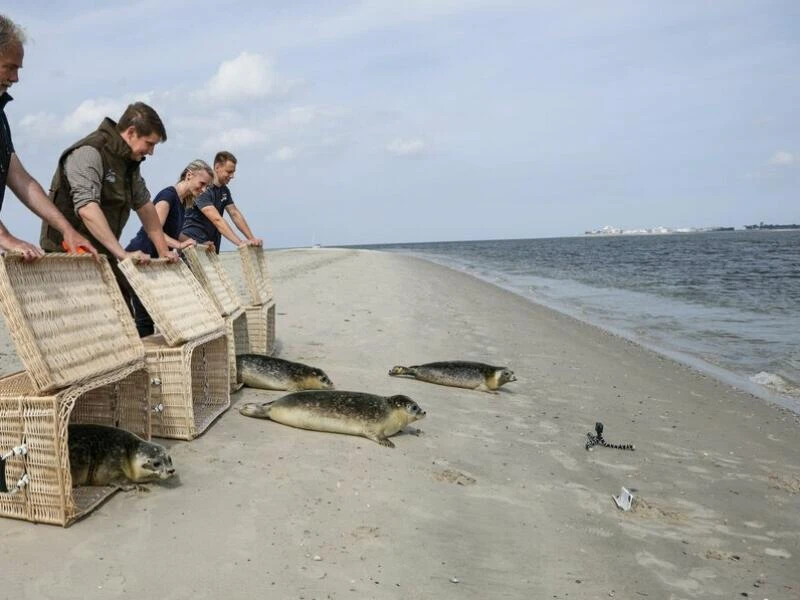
(421, 120)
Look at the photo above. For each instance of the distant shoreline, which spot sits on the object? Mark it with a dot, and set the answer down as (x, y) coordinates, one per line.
(684, 232)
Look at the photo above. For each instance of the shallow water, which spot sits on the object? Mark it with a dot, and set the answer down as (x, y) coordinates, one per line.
(727, 303)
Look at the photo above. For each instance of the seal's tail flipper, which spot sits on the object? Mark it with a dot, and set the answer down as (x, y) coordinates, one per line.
(259, 410)
(398, 370)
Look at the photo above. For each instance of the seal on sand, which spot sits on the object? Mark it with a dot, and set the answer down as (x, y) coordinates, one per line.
(354, 413)
(459, 373)
(101, 455)
(268, 373)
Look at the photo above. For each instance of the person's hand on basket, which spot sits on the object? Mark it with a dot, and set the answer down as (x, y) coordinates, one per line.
(75, 243)
(29, 252)
(138, 257)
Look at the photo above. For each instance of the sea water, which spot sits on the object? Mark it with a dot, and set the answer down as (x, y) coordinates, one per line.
(727, 303)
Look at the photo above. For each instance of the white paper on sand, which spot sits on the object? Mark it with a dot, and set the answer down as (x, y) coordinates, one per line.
(624, 500)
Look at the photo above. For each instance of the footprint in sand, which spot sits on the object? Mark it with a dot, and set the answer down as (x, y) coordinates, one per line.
(786, 482)
(454, 476)
(365, 532)
(669, 575)
(549, 428)
(566, 461)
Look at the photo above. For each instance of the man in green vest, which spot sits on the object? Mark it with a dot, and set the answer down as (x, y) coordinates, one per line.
(98, 182)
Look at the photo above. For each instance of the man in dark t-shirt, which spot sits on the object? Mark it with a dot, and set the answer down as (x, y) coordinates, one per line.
(204, 222)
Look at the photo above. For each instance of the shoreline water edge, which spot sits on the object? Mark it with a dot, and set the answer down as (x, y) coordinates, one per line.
(710, 334)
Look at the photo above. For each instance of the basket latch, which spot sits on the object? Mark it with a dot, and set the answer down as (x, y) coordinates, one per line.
(23, 481)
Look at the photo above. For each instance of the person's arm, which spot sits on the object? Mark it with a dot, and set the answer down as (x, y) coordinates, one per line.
(92, 216)
(241, 223)
(31, 194)
(154, 228)
(10, 243)
(212, 214)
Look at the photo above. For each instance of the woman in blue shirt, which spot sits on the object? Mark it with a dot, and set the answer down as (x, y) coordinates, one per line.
(171, 204)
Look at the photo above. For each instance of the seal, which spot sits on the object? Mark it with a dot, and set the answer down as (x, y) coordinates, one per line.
(459, 373)
(354, 413)
(101, 455)
(268, 373)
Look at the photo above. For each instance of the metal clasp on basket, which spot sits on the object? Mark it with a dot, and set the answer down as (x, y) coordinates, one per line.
(23, 481)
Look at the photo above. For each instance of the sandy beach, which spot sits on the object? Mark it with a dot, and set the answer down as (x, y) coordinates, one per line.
(490, 496)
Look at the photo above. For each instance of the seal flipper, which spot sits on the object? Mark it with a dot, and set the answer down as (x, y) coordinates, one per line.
(380, 439)
(399, 370)
(259, 410)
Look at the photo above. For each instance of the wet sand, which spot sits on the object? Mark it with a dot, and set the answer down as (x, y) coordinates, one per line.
(494, 496)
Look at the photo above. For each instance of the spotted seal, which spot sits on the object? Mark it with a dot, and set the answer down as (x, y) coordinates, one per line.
(101, 455)
(459, 373)
(269, 373)
(354, 413)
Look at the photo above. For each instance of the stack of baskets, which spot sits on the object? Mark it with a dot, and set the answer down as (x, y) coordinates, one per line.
(84, 363)
(249, 269)
(207, 269)
(188, 357)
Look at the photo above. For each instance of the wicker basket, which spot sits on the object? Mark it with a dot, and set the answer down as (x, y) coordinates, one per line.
(252, 274)
(176, 302)
(189, 357)
(258, 335)
(84, 363)
(67, 318)
(193, 384)
(209, 272)
(39, 422)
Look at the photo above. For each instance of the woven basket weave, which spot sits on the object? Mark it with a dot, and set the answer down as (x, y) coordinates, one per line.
(176, 302)
(193, 384)
(252, 274)
(120, 398)
(258, 334)
(209, 272)
(67, 318)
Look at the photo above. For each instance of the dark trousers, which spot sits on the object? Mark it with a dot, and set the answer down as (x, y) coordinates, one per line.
(144, 324)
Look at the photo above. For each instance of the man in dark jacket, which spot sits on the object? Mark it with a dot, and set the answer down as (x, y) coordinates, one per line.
(12, 173)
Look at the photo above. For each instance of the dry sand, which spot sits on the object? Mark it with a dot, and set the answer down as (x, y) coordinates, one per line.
(495, 498)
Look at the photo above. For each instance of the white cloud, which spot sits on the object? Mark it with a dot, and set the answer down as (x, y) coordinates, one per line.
(784, 159)
(246, 77)
(38, 125)
(90, 113)
(284, 153)
(406, 147)
(236, 138)
(82, 120)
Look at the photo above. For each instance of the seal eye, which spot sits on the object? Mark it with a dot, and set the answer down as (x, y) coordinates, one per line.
(157, 464)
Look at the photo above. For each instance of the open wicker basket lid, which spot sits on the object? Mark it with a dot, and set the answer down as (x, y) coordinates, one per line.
(252, 275)
(174, 299)
(207, 269)
(67, 318)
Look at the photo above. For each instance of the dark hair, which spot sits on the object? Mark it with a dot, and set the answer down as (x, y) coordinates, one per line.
(222, 157)
(143, 119)
(10, 33)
